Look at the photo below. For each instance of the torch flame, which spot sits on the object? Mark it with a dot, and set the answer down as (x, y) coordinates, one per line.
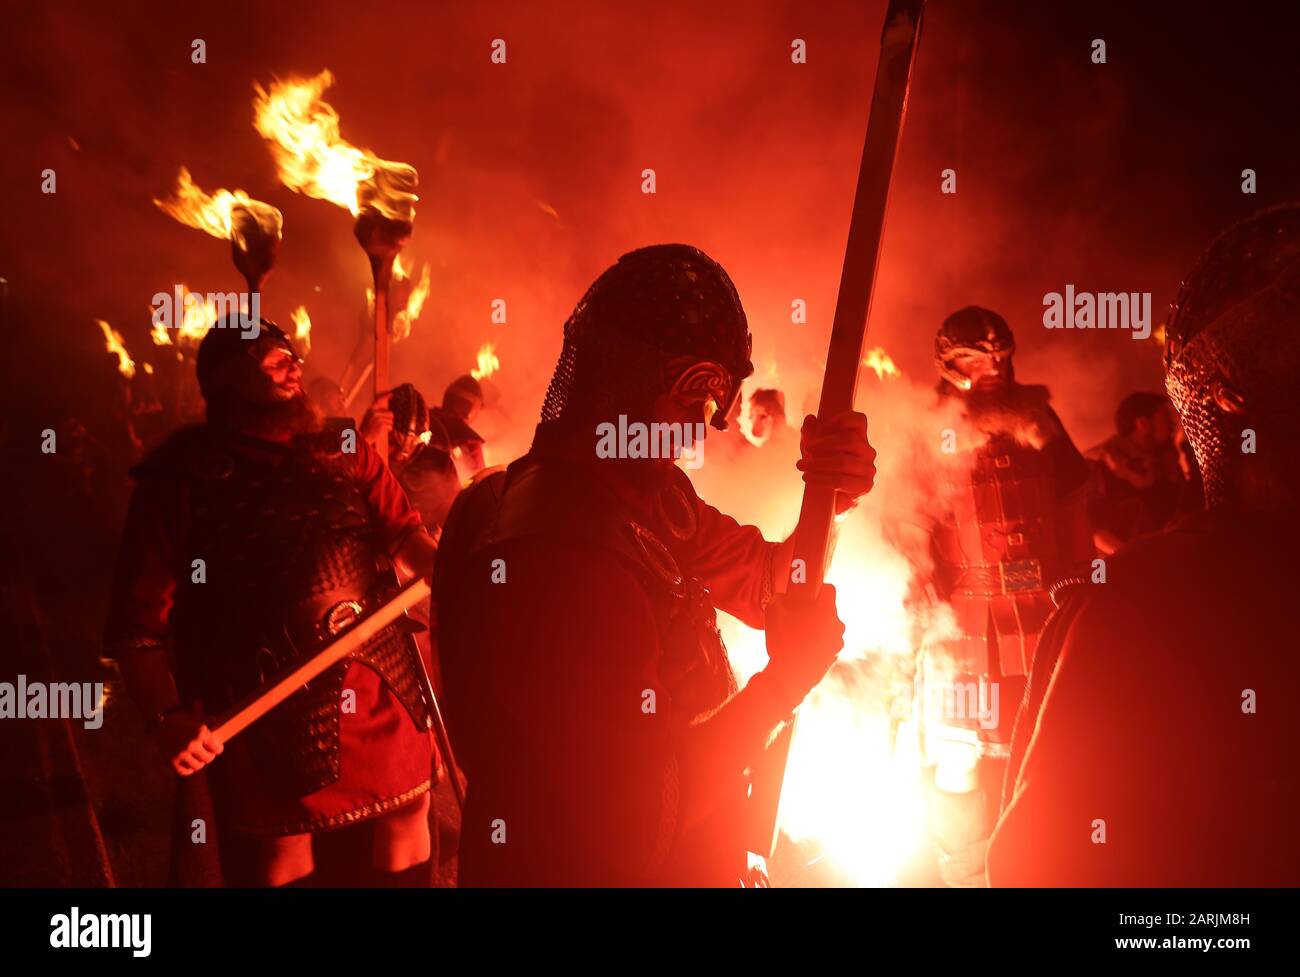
(314, 159)
(213, 212)
(301, 328)
(488, 363)
(405, 318)
(113, 343)
(200, 312)
(878, 360)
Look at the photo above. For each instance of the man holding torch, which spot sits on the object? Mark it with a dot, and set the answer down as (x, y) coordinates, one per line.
(251, 541)
(593, 707)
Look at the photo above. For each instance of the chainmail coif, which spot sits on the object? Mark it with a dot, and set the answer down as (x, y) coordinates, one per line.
(1237, 321)
(656, 304)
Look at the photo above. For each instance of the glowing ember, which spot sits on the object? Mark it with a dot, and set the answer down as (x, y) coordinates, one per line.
(488, 363)
(215, 212)
(113, 343)
(877, 359)
(302, 329)
(314, 159)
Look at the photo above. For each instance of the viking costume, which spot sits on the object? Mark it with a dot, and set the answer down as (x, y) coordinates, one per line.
(1012, 526)
(422, 448)
(576, 600)
(1156, 746)
(242, 556)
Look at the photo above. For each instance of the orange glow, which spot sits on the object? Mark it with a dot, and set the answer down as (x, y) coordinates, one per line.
(314, 159)
(200, 313)
(854, 787)
(302, 329)
(488, 363)
(113, 343)
(405, 317)
(877, 359)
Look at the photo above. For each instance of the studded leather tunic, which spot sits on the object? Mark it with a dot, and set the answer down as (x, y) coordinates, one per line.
(264, 552)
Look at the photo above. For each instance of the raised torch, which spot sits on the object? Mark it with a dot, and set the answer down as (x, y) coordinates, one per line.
(314, 159)
(253, 228)
(898, 44)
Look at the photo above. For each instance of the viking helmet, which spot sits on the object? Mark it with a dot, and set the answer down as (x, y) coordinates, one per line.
(662, 316)
(971, 330)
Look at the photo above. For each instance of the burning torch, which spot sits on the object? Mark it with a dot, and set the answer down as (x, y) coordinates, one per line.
(383, 227)
(314, 159)
(253, 228)
(898, 44)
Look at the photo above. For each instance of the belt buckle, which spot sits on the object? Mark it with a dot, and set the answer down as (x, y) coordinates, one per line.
(342, 615)
(1020, 576)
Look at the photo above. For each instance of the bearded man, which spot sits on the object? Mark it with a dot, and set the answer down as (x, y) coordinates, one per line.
(593, 707)
(251, 539)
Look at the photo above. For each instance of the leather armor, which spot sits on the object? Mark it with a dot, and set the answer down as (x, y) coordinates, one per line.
(534, 497)
(290, 559)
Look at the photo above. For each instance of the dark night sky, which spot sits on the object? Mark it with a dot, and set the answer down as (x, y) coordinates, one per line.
(1112, 177)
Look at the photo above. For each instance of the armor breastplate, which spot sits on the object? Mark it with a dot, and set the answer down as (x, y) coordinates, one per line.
(289, 560)
(1001, 533)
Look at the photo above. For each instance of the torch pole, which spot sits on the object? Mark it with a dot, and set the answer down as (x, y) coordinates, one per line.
(858, 274)
(381, 267)
(381, 238)
(812, 538)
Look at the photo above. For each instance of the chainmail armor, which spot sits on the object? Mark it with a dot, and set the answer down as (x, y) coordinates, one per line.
(1235, 322)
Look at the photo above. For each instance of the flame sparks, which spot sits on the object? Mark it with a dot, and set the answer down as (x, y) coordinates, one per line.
(877, 359)
(302, 329)
(215, 213)
(488, 363)
(314, 159)
(114, 344)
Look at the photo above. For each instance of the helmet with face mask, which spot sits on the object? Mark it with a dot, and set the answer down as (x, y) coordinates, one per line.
(410, 424)
(665, 318)
(972, 336)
